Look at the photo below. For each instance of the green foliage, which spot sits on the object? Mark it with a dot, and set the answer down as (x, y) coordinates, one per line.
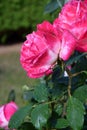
(54, 5)
(11, 96)
(41, 93)
(59, 109)
(75, 58)
(40, 115)
(58, 101)
(62, 123)
(20, 14)
(81, 93)
(19, 116)
(75, 113)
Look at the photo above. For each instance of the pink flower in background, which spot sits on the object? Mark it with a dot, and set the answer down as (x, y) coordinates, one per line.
(40, 51)
(73, 17)
(6, 111)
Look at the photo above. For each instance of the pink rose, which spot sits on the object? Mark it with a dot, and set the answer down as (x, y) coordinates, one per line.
(40, 51)
(42, 48)
(6, 111)
(73, 17)
(68, 45)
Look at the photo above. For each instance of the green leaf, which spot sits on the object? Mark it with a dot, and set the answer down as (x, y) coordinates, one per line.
(75, 58)
(85, 72)
(18, 118)
(62, 123)
(75, 113)
(59, 109)
(40, 115)
(61, 2)
(11, 96)
(81, 93)
(28, 95)
(52, 6)
(81, 65)
(65, 1)
(41, 93)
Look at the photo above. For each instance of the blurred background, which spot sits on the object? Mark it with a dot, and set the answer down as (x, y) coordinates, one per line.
(17, 18)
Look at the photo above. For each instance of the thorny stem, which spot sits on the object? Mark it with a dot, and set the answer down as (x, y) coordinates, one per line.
(76, 74)
(70, 79)
(69, 86)
(64, 110)
(45, 103)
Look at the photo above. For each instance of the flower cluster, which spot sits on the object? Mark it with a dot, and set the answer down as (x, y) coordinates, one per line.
(6, 111)
(59, 40)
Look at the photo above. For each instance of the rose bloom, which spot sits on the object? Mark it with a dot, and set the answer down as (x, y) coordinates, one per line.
(42, 48)
(6, 111)
(40, 51)
(73, 17)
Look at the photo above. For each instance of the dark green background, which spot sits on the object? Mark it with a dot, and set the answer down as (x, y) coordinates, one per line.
(19, 17)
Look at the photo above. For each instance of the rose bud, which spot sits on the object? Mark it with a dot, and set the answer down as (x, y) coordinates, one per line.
(6, 111)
